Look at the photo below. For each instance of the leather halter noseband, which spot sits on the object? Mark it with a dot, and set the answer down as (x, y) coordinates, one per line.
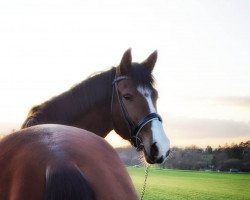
(134, 129)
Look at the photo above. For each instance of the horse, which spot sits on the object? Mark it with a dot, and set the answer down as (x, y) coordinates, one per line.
(122, 98)
(58, 162)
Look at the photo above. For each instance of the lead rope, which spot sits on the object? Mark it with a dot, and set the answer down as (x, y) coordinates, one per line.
(145, 182)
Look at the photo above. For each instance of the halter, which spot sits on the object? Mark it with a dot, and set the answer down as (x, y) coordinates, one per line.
(134, 129)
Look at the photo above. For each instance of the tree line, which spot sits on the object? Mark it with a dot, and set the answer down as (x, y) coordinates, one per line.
(234, 157)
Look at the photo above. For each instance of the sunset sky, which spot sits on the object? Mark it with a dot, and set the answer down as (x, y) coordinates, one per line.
(202, 72)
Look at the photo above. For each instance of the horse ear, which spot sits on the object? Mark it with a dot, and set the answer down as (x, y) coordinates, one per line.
(126, 62)
(150, 61)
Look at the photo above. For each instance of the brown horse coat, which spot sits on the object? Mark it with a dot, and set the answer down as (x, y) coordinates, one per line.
(122, 99)
(30, 156)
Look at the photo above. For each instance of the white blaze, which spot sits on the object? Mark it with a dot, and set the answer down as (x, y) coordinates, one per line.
(158, 133)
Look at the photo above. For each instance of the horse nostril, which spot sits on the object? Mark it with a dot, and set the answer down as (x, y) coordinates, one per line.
(154, 150)
(168, 152)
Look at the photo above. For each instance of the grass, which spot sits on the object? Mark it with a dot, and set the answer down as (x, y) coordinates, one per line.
(177, 184)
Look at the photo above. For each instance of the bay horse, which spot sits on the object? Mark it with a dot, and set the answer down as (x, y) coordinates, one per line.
(58, 162)
(121, 99)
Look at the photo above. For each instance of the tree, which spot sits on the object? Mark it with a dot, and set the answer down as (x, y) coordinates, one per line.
(234, 156)
(209, 150)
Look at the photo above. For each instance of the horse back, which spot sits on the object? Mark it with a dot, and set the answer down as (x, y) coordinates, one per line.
(43, 159)
(22, 169)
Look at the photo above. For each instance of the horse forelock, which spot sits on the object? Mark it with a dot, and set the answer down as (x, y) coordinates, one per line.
(141, 76)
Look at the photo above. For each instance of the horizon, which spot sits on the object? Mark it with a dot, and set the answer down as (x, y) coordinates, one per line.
(113, 137)
(202, 73)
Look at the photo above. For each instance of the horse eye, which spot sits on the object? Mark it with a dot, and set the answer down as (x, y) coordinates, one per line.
(128, 97)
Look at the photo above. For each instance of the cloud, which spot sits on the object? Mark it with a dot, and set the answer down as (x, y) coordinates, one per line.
(235, 101)
(187, 128)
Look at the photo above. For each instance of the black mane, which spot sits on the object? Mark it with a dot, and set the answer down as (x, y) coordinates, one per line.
(67, 107)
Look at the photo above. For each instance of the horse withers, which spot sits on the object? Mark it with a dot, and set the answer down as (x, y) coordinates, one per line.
(121, 99)
(57, 162)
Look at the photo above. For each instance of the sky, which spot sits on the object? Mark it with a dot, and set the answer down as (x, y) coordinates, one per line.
(202, 72)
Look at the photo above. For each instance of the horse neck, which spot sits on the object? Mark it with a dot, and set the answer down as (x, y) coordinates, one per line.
(97, 120)
(87, 105)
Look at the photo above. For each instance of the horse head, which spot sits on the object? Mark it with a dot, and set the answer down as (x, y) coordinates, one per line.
(134, 110)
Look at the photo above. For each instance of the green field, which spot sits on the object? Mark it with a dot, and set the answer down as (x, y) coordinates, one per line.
(177, 184)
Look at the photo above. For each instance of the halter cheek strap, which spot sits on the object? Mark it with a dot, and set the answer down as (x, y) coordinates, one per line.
(125, 114)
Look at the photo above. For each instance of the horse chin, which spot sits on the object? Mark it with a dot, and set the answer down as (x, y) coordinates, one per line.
(149, 159)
